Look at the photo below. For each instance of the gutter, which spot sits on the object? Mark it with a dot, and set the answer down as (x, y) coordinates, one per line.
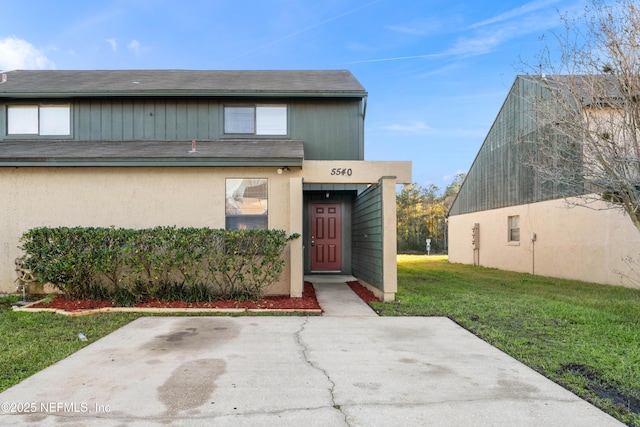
(194, 94)
(150, 163)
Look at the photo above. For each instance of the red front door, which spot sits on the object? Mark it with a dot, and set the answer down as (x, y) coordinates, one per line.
(326, 242)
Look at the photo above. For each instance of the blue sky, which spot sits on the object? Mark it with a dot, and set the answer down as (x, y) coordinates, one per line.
(437, 72)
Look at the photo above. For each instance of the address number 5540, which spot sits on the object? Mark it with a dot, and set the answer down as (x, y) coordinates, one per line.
(341, 171)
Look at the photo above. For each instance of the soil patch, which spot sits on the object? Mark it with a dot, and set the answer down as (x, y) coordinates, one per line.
(307, 302)
(602, 390)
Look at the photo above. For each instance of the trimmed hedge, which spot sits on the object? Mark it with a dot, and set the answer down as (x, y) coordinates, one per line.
(167, 263)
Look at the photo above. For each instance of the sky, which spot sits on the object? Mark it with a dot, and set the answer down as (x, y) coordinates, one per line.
(437, 72)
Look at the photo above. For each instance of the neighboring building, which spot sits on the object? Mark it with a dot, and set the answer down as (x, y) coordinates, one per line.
(234, 149)
(505, 217)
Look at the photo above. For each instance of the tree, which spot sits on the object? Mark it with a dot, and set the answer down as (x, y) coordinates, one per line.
(421, 215)
(452, 189)
(587, 117)
(410, 216)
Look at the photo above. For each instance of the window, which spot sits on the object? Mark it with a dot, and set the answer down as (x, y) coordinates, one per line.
(39, 120)
(256, 120)
(514, 228)
(246, 203)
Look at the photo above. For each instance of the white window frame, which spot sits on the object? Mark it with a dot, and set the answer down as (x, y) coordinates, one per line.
(267, 120)
(513, 229)
(39, 119)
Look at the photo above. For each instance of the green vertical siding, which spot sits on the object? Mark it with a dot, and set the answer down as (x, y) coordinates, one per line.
(499, 176)
(127, 121)
(119, 120)
(332, 129)
(367, 236)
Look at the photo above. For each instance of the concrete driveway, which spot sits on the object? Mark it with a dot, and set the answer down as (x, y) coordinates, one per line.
(293, 371)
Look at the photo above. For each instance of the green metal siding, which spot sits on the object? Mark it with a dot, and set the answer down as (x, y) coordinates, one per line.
(367, 236)
(330, 129)
(499, 176)
(161, 120)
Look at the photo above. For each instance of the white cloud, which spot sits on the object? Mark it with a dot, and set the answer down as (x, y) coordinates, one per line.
(513, 13)
(490, 33)
(400, 58)
(413, 127)
(417, 27)
(16, 54)
(480, 44)
(113, 43)
(485, 36)
(135, 46)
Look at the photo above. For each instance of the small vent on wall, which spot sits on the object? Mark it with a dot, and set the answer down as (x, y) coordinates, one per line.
(4, 78)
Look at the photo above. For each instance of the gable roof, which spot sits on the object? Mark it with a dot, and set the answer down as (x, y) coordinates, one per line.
(261, 83)
(588, 89)
(498, 176)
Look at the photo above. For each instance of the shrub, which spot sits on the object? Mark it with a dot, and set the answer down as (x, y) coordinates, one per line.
(197, 264)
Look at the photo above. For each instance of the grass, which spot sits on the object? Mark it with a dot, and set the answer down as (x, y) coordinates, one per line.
(584, 336)
(30, 342)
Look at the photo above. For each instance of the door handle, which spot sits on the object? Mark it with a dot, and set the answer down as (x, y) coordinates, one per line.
(313, 242)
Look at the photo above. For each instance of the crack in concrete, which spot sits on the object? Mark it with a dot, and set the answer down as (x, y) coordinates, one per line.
(305, 354)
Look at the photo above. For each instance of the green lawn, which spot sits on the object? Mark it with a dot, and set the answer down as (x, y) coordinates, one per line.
(583, 336)
(29, 342)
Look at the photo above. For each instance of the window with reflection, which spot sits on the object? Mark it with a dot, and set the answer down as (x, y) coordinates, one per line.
(246, 203)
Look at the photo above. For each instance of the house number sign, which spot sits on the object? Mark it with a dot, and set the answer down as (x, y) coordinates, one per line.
(341, 171)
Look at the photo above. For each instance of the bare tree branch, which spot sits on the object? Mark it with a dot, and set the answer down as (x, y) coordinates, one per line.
(585, 111)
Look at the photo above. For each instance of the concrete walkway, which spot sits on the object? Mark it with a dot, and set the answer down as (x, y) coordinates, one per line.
(336, 297)
(356, 370)
(338, 300)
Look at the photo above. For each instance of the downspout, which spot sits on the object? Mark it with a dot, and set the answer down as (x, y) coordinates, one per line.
(361, 126)
(364, 108)
(534, 237)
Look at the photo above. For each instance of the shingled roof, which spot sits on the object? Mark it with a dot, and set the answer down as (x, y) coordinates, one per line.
(76, 83)
(152, 153)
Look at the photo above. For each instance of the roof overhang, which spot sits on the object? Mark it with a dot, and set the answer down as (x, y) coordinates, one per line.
(184, 94)
(253, 152)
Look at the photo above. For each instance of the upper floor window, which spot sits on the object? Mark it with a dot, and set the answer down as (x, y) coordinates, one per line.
(256, 120)
(44, 119)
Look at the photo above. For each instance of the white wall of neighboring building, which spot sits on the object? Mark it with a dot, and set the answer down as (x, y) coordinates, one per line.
(578, 242)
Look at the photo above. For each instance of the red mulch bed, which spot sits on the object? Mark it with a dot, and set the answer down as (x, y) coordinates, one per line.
(365, 294)
(307, 302)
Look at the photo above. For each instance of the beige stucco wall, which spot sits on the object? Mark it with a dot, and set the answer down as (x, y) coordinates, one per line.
(125, 197)
(362, 171)
(140, 197)
(572, 242)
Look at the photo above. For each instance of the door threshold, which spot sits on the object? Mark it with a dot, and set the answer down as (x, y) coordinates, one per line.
(329, 278)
